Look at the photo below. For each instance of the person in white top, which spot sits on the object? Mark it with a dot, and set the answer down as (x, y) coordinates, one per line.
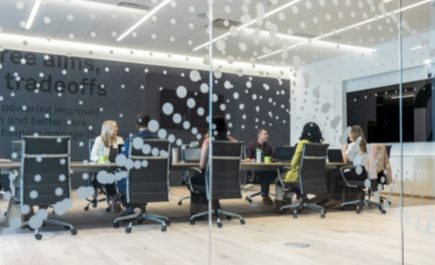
(355, 152)
(107, 139)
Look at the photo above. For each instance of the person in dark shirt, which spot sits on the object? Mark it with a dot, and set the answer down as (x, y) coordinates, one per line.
(266, 150)
(142, 121)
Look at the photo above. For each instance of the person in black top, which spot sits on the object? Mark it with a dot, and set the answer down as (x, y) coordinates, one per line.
(266, 177)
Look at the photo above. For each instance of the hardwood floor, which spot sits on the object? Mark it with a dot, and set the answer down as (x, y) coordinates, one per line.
(342, 238)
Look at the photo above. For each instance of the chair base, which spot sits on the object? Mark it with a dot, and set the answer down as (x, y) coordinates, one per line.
(94, 201)
(69, 226)
(217, 212)
(359, 203)
(141, 217)
(304, 204)
(182, 199)
(255, 194)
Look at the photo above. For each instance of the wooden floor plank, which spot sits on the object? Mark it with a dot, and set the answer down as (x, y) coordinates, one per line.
(343, 237)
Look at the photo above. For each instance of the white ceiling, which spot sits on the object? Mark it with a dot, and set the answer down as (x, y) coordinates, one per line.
(103, 21)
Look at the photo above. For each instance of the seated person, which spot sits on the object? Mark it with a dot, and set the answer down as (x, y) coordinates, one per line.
(355, 152)
(142, 121)
(310, 134)
(220, 134)
(266, 177)
(107, 139)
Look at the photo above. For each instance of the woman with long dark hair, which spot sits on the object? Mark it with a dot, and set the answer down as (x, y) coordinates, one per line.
(219, 133)
(310, 134)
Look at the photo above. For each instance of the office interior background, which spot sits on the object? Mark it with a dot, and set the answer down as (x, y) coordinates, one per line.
(66, 66)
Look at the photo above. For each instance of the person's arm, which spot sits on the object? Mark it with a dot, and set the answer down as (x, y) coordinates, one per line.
(204, 154)
(296, 160)
(344, 149)
(94, 153)
(250, 153)
(126, 147)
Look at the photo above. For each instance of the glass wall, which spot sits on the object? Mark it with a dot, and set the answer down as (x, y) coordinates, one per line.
(353, 76)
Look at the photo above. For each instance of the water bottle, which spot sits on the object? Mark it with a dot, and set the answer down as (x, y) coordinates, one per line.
(258, 155)
(101, 155)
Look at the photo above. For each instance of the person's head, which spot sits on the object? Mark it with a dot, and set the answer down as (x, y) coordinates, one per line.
(142, 121)
(312, 133)
(262, 135)
(219, 128)
(109, 130)
(203, 132)
(357, 132)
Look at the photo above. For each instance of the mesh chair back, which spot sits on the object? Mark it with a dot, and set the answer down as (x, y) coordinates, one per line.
(16, 151)
(45, 170)
(226, 170)
(312, 169)
(150, 181)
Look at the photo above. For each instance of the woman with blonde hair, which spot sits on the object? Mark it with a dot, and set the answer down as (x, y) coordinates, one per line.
(355, 152)
(106, 140)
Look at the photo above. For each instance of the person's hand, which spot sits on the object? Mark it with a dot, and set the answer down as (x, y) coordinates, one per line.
(248, 159)
(252, 160)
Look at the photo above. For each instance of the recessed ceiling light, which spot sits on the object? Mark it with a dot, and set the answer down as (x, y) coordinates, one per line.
(33, 14)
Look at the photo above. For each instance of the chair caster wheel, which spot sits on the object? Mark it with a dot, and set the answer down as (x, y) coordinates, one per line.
(66, 227)
(163, 229)
(128, 230)
(279, 212)
(295, 216)
(229, 217)
(108, 209)
(383, 211)
(219, 225)
(249, 200)
(179, 203)
(168, 223)
(73, 232)
(358, 210)
(6, 213)
(38, 236)
(341, 208)
(192, 222)
(242, 221)
(87, 208)
(139, 221)
(94, 205)
(322, 214)
(115, 225)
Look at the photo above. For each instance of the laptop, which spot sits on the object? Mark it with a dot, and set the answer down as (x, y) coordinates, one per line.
(192, 154)
(335, 156)
(285, 153)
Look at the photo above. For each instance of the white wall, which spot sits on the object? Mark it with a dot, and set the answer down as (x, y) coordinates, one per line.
(358, 71)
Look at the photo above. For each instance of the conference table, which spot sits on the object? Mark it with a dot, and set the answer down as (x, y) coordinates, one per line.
(89, 167)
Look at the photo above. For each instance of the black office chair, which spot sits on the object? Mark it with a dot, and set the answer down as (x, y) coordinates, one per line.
(311, 178)
(99, 189)
(148, 184)
(225, 182)
(363, 185)
(193, 155)
(45, 174)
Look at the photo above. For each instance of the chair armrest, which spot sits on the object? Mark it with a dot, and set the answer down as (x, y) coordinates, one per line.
(189, 177)
(342, 173)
